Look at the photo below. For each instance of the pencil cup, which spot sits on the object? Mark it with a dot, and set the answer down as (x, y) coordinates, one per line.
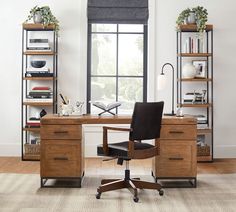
(66, 110)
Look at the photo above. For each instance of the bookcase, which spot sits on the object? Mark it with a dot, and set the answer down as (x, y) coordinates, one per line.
(39, 84)
(195, 93)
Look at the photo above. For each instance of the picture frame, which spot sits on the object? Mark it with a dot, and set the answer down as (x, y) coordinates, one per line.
(201, 68)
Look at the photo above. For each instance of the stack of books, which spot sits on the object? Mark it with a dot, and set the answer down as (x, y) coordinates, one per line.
(193, 45)
(33, 123)
(40, 94)
(38, 72)
(38, 45)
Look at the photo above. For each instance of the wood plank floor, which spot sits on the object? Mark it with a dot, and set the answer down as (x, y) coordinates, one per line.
(97, 166)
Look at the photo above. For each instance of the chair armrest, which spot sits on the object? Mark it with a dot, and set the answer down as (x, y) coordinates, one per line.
(105, 138)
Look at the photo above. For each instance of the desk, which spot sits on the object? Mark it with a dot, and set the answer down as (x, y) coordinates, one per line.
(62, 147)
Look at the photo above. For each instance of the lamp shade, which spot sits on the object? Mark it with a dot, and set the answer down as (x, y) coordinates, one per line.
(161, 82)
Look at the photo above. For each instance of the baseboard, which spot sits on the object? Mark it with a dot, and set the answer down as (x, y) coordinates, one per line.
(225, 151)
(13, 149)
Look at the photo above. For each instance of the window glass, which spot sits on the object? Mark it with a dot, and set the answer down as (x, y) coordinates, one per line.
(130, 55)
(103, 54)
(104, 28)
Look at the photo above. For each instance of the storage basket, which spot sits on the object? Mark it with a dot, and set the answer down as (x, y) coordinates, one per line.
(32, 149)
(203, 150)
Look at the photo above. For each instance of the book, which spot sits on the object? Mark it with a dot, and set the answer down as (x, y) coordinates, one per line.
(35, 70)
(46, 100)
(42, 88)
(38, 74)
(106, 107)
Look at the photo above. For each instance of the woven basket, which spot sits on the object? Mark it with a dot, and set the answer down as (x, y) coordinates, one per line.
(203, 150)
(32, 149)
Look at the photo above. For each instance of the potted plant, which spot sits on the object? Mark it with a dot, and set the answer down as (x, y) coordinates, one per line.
(43, 15)
(196, 15)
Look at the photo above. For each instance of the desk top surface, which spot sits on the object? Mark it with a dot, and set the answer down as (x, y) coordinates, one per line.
(105, 119)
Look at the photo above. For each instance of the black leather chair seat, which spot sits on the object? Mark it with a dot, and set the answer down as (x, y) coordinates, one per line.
(120, 149)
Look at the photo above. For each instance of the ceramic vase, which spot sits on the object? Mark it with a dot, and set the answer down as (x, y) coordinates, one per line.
(188, 71)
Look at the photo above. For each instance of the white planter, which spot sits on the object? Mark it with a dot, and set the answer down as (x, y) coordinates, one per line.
(188, 71)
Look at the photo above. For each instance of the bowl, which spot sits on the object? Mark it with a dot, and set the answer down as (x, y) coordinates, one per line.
(38, 63)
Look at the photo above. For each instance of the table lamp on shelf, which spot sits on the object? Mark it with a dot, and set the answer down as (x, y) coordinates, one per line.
(162, 82)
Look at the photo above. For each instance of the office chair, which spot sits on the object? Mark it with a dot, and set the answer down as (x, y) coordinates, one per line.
(145, 124)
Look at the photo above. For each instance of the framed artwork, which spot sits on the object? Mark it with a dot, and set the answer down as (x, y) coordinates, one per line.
(201, 68)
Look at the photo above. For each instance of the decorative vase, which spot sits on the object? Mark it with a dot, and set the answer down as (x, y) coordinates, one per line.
(188, 71)
(38, 18)
(191, 19)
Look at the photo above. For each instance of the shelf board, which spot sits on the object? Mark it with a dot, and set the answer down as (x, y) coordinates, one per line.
(33, 129)
(31, 157)
(196, 80)
(203, 131)
(193, 27)
(194, 105)
(39, 53)
(204, 158)
(195, 54)
(38, 103)
(39, 78)
(31, 26)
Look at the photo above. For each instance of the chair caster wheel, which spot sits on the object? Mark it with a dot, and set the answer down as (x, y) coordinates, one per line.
(98, 195)
(161, 192)
(136, 199)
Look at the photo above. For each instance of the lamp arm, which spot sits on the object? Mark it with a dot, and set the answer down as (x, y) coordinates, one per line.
(162, 73)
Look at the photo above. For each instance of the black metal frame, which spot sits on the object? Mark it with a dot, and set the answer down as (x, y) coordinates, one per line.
(24, 83)
(209, 85)
(78, 180)
(117, 76)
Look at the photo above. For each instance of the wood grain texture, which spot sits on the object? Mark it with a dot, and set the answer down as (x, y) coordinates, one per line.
(183, 132)
(39, 53)
(30, 26)
(177, 159)
(193, 27)
(61, 131)
(117, 119)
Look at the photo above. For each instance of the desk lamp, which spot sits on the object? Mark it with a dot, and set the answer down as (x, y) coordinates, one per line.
(161, 83)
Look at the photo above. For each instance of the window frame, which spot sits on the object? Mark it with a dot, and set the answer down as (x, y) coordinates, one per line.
(116, 76)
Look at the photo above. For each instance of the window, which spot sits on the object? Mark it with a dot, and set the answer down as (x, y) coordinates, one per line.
(117, 65)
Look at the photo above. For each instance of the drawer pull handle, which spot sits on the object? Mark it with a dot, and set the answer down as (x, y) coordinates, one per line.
(60, 158)
(176, 132)
(60, 132)
(176, 158)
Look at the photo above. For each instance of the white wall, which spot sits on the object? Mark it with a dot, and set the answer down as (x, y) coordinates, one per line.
(72, 60)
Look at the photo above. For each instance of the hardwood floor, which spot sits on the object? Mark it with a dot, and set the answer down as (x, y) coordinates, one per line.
(97, 166)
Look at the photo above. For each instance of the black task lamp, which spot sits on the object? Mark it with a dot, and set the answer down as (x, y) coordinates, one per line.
(161, 84)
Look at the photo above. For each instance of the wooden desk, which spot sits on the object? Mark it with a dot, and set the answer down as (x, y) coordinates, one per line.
(62, 147)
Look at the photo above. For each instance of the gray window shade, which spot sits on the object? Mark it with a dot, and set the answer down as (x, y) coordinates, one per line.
(118, 11)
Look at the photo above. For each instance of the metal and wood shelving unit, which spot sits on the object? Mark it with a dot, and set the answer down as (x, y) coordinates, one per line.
(26, 106)
(207, 82)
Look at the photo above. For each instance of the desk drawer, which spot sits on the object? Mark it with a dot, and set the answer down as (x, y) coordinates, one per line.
(61, 132)
(182, 132)
(177, 159)
(61, 158)
(61, 150)
(60, 168)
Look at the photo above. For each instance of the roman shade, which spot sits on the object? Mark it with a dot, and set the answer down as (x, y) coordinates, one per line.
(118, 11)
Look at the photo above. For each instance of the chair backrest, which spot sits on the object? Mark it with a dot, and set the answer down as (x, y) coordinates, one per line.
(146, 121)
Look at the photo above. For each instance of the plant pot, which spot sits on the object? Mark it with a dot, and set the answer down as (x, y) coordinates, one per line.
(38, 18)
(188, 71)
(191, 19)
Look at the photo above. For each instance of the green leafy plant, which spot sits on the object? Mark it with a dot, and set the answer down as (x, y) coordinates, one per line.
(47, 16)
(200, 14)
